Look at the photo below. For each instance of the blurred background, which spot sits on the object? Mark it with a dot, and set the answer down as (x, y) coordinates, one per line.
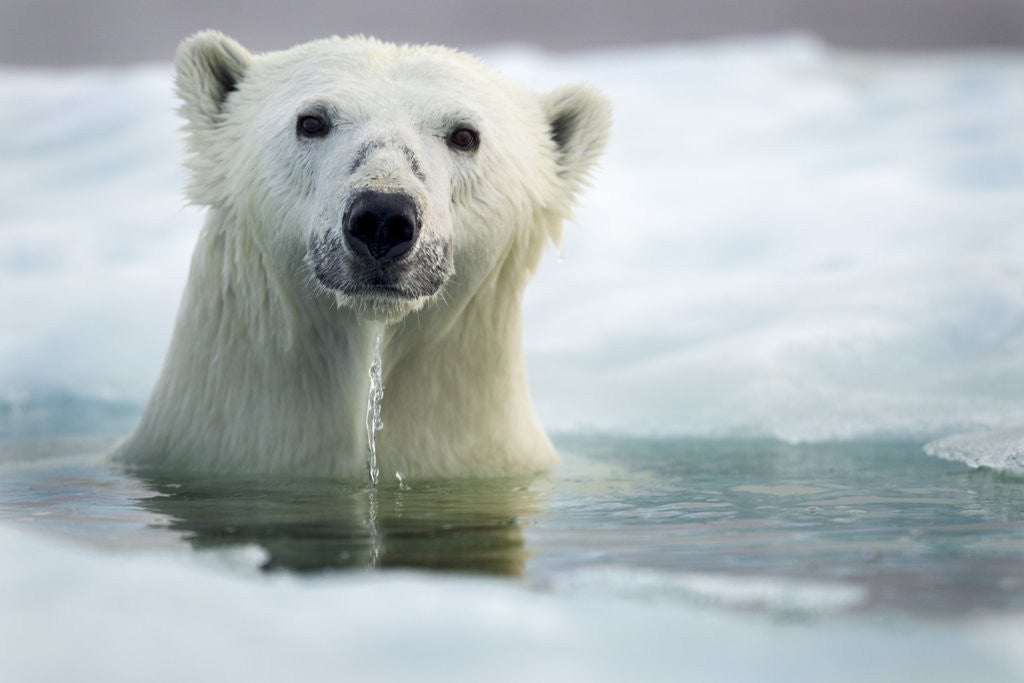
(64, 32)
(835, 190)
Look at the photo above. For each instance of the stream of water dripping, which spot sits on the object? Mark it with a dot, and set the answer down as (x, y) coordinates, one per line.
(373, 425)
(373, 401)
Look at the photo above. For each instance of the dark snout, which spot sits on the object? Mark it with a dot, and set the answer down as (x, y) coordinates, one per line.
(381, 226)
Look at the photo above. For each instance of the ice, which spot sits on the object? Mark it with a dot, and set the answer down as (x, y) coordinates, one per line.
(779, 595)
(71, 613)
(1001, 449)
(784, 240)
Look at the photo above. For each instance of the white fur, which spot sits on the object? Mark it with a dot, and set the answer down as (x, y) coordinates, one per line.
(267, 369)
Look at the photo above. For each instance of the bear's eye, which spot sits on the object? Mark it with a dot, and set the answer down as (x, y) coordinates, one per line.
(311, 126)
(464, 139)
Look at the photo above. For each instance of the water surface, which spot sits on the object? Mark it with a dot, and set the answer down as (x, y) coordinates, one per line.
(873, 527)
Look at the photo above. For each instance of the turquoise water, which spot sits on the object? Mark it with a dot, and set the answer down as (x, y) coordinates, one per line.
(879, 527)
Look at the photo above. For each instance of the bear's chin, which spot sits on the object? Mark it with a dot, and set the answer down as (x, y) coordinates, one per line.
(385, 308)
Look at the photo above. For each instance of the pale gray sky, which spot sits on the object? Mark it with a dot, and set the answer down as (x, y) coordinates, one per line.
(62, 32)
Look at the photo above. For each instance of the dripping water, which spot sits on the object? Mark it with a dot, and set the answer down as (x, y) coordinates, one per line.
(373, 421)
(373, 425)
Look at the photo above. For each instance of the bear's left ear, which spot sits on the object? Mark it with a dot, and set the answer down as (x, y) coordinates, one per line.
(209, 67)
(579, 118)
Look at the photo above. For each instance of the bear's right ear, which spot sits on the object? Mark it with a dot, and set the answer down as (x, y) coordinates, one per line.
(209, 67)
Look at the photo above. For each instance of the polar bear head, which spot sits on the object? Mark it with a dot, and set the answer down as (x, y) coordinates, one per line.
(384, 176)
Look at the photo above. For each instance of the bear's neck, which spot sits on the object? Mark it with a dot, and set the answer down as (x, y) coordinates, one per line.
(262, 376)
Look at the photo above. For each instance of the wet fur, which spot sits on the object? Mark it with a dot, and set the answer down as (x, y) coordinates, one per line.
(267, 368)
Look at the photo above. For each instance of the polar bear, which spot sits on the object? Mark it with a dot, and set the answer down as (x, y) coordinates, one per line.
(359, 190)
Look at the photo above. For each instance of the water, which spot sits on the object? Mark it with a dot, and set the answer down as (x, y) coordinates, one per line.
(373, 425)
(637, 554)
(875, 527)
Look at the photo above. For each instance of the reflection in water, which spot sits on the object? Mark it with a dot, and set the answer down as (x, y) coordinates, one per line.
(311, 526)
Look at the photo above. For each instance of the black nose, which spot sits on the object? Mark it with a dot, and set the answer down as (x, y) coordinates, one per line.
(381, 226)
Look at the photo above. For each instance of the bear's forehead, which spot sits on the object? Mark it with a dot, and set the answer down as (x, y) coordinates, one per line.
(366, 61)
